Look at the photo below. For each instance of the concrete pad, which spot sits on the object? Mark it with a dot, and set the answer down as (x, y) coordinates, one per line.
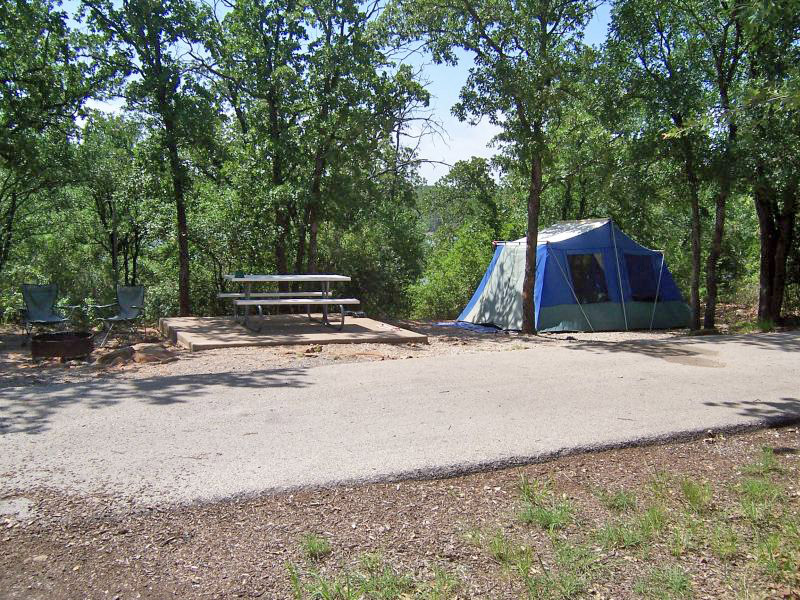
(205, 333)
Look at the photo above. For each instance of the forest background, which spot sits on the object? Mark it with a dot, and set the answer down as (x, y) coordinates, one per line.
(265, 136)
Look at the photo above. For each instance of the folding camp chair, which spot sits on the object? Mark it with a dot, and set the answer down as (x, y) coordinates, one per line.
(130, 309)
(40, 307)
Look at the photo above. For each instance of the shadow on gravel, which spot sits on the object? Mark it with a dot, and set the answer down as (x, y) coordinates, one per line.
(693, 346)
(784, 410)
(29, 409)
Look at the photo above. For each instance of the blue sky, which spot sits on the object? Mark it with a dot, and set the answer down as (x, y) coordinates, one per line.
(462, 140)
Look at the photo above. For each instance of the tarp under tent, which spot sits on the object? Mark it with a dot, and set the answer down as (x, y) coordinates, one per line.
(590, 276)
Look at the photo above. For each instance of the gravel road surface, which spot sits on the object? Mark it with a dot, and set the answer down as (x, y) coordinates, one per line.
(184, 438)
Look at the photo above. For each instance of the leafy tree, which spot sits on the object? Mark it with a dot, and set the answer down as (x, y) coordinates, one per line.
(525, 53)
(770, 127)
(121, 187)
(716, 26)
(257, 60)
(47, 74)
(467, 193)
(316, 104)
(146, 41)
(662, 71)
(454, 268)
(356, 101)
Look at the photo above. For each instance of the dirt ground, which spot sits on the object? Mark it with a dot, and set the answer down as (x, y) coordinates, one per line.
(452, 538)
(17, 368)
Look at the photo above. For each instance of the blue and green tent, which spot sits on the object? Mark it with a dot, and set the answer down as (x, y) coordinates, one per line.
(590, 276)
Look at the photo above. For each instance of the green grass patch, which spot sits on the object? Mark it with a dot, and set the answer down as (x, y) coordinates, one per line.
(724, 542)
(517, 558)
(660, 484)
(767, 463)
(698, 495)
(664, 583)
(777, 554)
(575, 568)
(445, 585)
(620, 535)
(687, 535)
(534, 492)
(653, 520)
(501, 549)
(636, 531)
(758, 500)
(315, 547)
(555, 584)
(556, 515)
(620, 501)
(759, 490)
(374, 579)
(542, 507)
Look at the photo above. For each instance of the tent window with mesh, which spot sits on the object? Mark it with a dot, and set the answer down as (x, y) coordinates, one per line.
(588, 277)
(642, 277)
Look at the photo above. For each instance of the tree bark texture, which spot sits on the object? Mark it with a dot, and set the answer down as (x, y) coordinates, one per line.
(693, 183)
(776, 223)
(178, 187)
(534, 204)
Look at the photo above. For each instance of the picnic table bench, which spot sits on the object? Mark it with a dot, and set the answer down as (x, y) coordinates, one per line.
(321, 298)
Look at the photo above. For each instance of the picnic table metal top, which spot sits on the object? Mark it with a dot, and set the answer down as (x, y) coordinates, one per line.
(280, 278)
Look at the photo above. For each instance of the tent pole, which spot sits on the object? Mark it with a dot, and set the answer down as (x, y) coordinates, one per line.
(574, 295)
(658, 291)
(619, 274)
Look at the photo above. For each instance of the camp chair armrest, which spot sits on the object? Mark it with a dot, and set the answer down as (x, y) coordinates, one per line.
(101, 305)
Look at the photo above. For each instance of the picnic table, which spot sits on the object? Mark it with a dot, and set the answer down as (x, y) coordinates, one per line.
(319, 297)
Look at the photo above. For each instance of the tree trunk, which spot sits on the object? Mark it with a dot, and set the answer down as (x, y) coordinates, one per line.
(302, 234)
(694, 199)
(282, 217)
(709, 319)
(694, 292)
(135, 258)
(5, 247)
(178, 188)
(300, 257)
(312, 242)
(534, 203)
(763, 196)
(184, 305)
(125, 262)
(726, 61)
(715, 252)
(783, 245)
(114, 241)
(775, 222)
